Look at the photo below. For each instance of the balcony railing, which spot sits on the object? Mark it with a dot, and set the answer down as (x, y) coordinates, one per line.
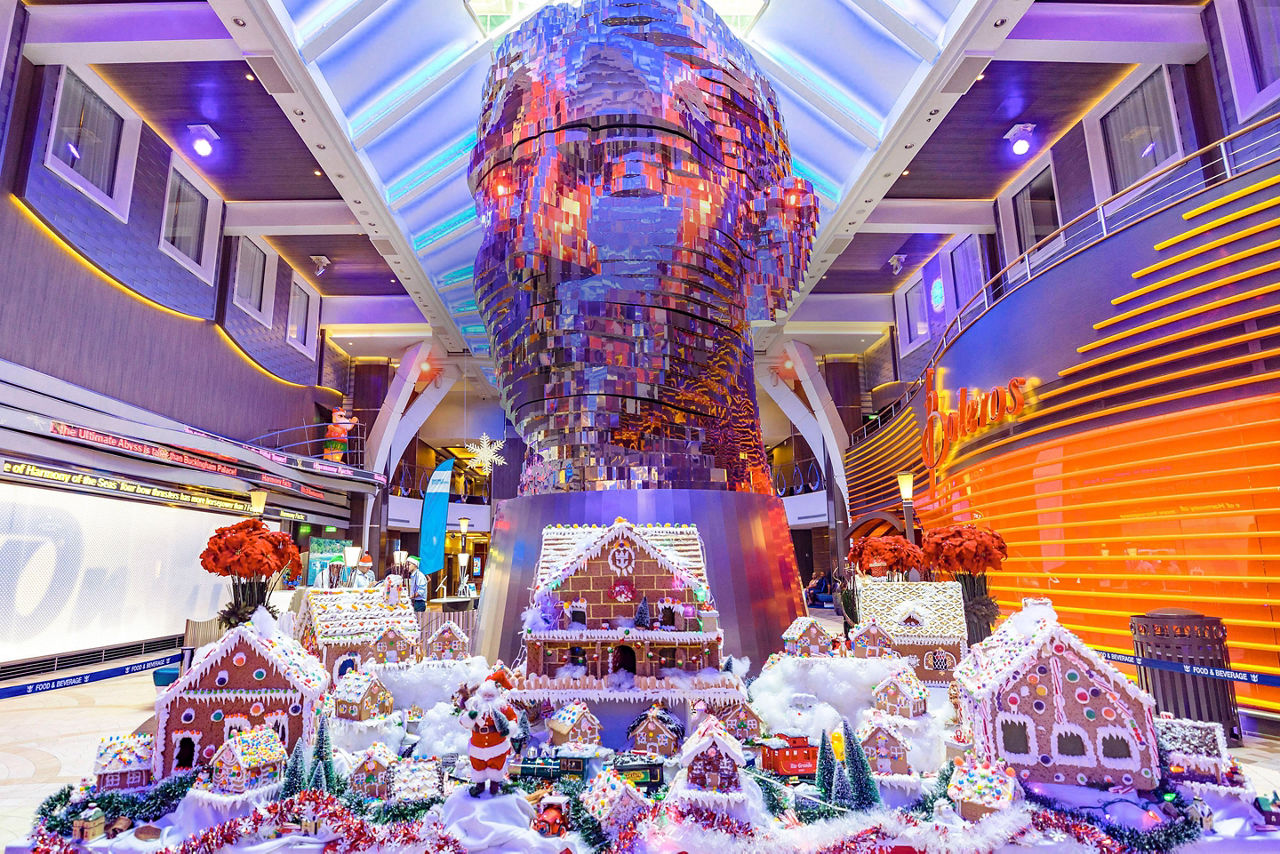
(308, 440)
(1247, 149)
(798, 478)
(411, 482)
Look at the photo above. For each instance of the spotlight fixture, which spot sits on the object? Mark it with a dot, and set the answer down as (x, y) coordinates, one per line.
(980, 77)
(249, 77)
(1019, 137)
(317, 173)
(896, 262)
(322, 263)
(202, 139)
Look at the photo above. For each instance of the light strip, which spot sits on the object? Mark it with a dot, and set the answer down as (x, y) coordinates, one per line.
(1201, 249)
(443, 229)
(1117, 521)
(1231, 197)
(1199, 289)
(928, 512)
(416, 80)
(441, 162)
(1182, 315)
(1217, 223)
(1229, 621)
(1109, 594)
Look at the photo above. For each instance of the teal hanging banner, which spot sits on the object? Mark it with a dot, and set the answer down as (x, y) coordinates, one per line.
(435, 517)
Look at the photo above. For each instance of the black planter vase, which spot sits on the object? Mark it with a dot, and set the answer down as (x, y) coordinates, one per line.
(980, 610)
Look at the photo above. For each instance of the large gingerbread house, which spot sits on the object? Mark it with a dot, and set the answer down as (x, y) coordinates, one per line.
(1037, 697)
(244, 680)
(923, 619)
(343, 627)
(617, 606)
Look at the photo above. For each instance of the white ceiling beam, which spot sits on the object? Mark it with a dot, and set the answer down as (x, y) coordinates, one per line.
(931, 216)
(1105, 32)
(291, 217)
(126, 32)
(388, 312)
(328, 33)
(899, 27)
(851, 125)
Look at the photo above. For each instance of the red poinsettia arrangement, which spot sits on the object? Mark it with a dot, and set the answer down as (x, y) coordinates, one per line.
(250, 554)
(879, 556)
(964, 549)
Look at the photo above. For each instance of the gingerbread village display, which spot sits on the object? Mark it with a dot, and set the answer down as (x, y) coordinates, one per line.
(629, 617)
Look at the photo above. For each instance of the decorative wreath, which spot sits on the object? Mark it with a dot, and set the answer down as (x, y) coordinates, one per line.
(623, 591)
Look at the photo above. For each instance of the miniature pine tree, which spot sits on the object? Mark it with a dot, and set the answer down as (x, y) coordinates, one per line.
(322, 757)
(318, 782)
(848, 739)
(842, 789)
(642, 614)
(826, 765)
(295, 773)
(866, 794)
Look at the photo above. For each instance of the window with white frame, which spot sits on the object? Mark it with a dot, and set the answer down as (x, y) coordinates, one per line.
(916, 313)
(192, 215)
(1139, 133)
(254, 286)
(304, 317)
(1250, 30)
(1035, 210)
(93, 143)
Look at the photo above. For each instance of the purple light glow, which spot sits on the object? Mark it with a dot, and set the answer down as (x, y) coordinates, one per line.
(203, 147)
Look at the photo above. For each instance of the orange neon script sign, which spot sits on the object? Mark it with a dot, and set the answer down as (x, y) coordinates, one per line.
(943, 429)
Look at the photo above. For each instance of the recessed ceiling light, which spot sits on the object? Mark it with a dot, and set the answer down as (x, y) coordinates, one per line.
(317, 173)
(933, 112)
(339, 176)
(299, 113)
(357, 202)
(239, 22)
(906, 172)
(866, 201)
(909, 145)
(1000, 22)
(320, 145)
(249, 77)
(981, 77)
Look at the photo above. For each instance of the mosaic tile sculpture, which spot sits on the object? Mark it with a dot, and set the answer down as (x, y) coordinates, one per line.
(634, 179)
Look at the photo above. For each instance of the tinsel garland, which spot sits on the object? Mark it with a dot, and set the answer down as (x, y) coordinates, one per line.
(58, 811)
(1179, 831)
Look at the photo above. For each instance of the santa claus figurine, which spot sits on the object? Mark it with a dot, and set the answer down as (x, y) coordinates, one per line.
(490, 718)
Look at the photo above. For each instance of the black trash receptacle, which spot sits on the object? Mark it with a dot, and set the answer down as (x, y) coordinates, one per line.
(1179, 636)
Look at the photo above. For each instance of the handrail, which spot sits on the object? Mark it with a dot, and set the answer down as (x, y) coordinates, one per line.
(797, 478)
(307, 440)
(958, 323)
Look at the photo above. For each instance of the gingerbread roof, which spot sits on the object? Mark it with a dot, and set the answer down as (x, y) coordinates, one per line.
(909, 685)
(711, 731)
(378, 752)
(567, 717)
(301, 669)
(1184, 737)
(981, 781)
(608, 792)
(352, 687)
(865, 627)
(254, 748)
(355, 615)
(1021, 640)
(658, 715)
(448, 626)
(567, 548)
(801, 625)
(914, 610)
(121, 754)
(873, 719)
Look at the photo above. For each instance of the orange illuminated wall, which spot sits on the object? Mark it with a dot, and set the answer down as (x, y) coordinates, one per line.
(1179, 510)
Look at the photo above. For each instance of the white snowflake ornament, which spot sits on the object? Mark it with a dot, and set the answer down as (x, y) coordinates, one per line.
(486, 456)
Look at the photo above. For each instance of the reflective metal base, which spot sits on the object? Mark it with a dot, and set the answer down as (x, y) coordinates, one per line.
(751, 562)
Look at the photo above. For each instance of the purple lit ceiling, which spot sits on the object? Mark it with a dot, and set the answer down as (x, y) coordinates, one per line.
(258, 154)
(864, 268)
(968, 158)
(356, 268)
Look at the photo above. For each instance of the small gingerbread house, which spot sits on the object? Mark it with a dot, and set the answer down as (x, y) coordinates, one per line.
(360, 696)
(89, 824)
(884, 744)
(1193, 751)
(342, 626)
(613, 801)
(1040, 699)
(372, 771)
(448, 643)
(396, 647)
(901, 693)
(923, 619)
(868, 640)
(575, 724)
(656, 731)
(739, 719)
(123, 764)
(247, 760)
(807, 637)
(980, 786)
(711, 758)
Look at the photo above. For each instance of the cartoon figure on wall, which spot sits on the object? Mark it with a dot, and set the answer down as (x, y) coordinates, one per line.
(335, 435)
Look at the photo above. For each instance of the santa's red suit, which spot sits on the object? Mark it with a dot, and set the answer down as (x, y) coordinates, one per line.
(489, 717)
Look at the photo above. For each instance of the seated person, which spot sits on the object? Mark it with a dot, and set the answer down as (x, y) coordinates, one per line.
(817, 585)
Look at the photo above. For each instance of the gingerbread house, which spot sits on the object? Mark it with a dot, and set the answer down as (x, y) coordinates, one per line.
(574, 724)
(789, 755)
(89, 824)
(868, 640)
(396, 647)
(739, 719)
(341, 627)
(711, 758)
(884, 744)
(613, 801)
(656, 731)
(247, 760)
(1193, 751)
(901, 693)
(123, 764)
(1040, 699)
(979, 787)
(807, 636)
(360, 696)
(923, 619)
(448, 643)
(590, 585)
(245, 679)
(372, 771)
